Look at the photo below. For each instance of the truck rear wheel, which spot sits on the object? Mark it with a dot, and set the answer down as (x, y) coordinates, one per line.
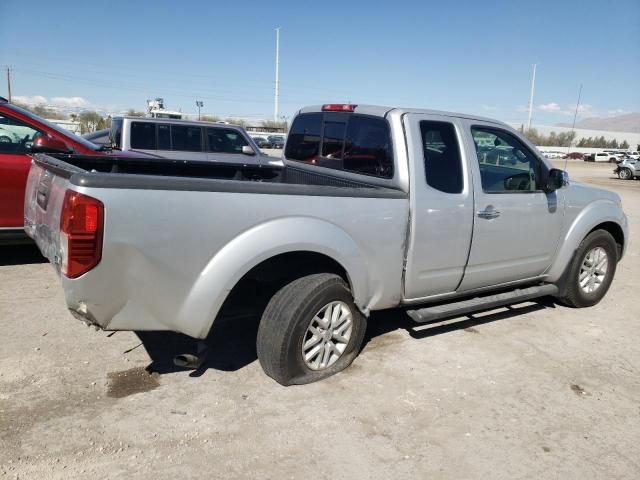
(591, 271)
(310, 330)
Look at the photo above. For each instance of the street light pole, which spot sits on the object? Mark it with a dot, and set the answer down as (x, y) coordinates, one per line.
(199, 104)
(9, 83)
(533, 83)
(277, 92)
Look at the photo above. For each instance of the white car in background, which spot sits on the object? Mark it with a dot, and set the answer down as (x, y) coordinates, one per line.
(604, 157)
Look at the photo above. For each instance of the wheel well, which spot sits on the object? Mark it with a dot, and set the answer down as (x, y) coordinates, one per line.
(254, 290)
(616, 232)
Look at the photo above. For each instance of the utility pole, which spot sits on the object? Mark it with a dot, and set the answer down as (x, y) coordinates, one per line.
(9, 83)
(277, 92)
(533, 83)
(199, 104)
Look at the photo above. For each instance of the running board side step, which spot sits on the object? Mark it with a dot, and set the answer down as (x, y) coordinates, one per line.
(478, 304)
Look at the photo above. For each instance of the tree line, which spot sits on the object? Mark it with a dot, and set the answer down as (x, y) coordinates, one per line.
(566, 139)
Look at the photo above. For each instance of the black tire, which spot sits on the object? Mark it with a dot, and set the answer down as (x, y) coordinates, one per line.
(625, 174)
(573, 295)
(285, 322)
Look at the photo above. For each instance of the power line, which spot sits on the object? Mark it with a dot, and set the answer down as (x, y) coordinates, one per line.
(144, 89)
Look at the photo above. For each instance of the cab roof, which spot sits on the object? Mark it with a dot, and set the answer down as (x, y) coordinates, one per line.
(383, 111)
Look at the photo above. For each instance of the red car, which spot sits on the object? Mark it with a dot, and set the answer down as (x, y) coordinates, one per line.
(22, 133)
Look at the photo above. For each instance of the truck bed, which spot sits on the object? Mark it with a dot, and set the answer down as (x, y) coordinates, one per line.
(178, 236)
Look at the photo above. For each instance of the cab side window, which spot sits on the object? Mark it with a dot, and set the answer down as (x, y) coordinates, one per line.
(442, 160)
(15, 136)
(506, 164)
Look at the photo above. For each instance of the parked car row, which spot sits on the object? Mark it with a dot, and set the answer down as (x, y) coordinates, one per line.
(272, 141)
(610, 156)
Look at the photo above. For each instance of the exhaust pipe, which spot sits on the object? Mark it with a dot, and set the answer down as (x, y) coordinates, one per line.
(189, 360)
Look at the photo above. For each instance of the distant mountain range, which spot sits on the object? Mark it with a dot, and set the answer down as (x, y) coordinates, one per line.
(629, 122)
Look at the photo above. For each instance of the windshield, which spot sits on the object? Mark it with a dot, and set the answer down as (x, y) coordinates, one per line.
(58, 129)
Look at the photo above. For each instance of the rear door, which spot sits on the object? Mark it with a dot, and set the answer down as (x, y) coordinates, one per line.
(517, 225)
(441, 205)
(15, 143)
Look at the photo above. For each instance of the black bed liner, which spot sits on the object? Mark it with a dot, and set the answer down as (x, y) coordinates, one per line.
(191, 175)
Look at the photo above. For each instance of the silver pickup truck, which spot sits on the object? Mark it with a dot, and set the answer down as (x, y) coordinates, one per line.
(437, 213)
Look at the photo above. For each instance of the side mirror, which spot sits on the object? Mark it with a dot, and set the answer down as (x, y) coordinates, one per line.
(557, 179)
(247, 150)
(45, 144)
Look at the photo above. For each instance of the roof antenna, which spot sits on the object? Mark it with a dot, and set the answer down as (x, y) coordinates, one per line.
(573, 127)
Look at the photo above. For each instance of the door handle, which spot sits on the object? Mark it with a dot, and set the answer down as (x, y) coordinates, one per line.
(488, 213)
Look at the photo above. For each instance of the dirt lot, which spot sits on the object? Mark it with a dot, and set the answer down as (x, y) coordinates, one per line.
(537, 391)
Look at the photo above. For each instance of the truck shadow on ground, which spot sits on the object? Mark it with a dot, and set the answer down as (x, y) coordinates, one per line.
(232, 342)
(20, 255)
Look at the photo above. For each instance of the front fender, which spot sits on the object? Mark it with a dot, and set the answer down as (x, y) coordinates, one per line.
(260, 243)
(592, 215)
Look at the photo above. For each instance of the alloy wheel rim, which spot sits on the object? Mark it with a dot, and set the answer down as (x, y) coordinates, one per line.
(593, 270)
(327, 335)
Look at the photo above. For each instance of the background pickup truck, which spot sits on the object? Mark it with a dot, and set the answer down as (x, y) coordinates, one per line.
(438, 213)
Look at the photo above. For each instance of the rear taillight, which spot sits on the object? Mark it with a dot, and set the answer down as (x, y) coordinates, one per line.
(81, 226)
(338, 107)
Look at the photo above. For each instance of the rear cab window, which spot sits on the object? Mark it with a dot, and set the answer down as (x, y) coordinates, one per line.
(350, 142)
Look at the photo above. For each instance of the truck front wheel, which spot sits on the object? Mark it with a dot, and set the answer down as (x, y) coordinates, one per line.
(591, 271)
(310, 330)
(625, 174)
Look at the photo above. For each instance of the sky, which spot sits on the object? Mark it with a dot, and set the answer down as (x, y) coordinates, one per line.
(465, 56)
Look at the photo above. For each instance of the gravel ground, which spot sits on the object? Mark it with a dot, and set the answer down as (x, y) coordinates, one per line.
(534, 391)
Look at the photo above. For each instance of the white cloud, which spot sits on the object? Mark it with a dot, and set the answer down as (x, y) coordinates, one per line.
(63, 103)
(489, 108)
(617, 111)
(72, 102)
(30, 100)
(549, 107)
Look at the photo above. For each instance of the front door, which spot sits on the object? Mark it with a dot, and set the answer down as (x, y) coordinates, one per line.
(517, 225)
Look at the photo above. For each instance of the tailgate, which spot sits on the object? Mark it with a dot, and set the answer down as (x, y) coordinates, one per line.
(43, 201)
